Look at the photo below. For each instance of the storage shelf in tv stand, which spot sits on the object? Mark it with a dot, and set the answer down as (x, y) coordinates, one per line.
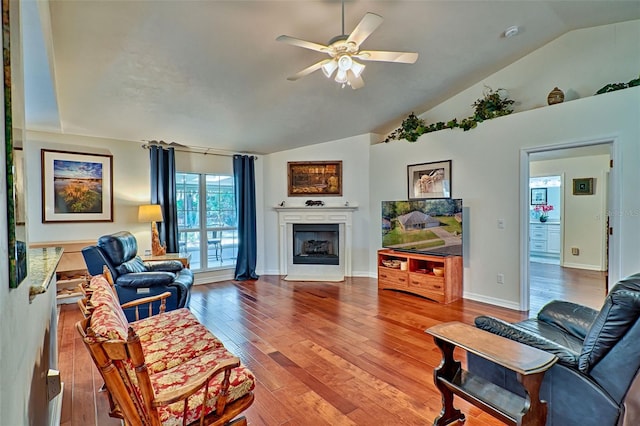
(413, 273)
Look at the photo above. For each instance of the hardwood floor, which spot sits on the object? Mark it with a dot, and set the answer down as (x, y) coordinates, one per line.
(323, 353)
(549, 282)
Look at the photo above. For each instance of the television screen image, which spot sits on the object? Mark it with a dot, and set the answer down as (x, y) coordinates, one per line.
(423, 226)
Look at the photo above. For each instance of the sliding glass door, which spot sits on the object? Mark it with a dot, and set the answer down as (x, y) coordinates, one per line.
(207, 221)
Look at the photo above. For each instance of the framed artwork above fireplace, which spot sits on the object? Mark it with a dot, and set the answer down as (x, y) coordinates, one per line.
(318, 178)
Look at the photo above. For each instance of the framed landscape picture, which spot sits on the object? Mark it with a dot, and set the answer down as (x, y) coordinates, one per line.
(315, 178)
(76, 187)
(429, 180)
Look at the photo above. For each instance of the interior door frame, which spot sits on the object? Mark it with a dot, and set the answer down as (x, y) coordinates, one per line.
(614, 205)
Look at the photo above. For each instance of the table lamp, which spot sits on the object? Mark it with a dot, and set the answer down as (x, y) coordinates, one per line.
(153, 213)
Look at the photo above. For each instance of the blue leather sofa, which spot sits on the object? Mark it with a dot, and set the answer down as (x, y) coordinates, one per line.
(596, 381)
(134, 278)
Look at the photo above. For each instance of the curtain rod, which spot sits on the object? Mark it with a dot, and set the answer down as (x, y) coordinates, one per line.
(192, 149)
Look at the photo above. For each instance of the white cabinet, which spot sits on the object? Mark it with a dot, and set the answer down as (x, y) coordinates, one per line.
(553, 238)
(544, 238)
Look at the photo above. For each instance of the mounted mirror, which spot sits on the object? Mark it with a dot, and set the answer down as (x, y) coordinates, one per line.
(13, 131)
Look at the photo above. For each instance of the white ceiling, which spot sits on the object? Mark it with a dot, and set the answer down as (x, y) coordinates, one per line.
(210, 73)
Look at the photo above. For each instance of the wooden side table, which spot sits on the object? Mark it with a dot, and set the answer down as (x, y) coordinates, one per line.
(184, 258)
(527, 362)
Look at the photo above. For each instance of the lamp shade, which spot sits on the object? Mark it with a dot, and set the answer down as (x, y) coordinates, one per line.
(150, 213)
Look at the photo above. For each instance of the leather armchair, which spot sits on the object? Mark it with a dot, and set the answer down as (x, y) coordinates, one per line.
(134, 278)
(595, 381)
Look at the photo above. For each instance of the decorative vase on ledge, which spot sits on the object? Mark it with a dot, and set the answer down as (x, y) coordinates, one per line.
(543, 218)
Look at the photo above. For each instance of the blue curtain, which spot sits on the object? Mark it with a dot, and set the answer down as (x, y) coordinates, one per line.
(163, 192)
(245, 176)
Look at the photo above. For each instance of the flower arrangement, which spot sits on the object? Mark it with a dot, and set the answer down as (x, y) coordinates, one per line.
(543, 210)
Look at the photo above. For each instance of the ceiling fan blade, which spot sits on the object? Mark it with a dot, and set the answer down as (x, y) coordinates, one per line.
(379, 55)
(302, 43)
(355, 82)
(365, 27)
(308, 70)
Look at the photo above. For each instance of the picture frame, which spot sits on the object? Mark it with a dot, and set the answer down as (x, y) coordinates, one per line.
(429, 180)
(20, 209)
(13, 93)
(316, 178)
(583, 186)
(538, 196)
(76, 187)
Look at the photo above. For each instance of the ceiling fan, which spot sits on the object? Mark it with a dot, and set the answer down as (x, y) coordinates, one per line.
(344, 51)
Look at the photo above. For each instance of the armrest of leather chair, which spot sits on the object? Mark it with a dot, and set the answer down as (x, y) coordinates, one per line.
(145, 279)
(573, 318)
(164, 265)
(513, 332)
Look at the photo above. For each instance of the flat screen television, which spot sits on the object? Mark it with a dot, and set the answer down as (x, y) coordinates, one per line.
(431, 226)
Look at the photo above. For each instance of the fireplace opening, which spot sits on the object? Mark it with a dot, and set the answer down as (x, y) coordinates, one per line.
(316, 244)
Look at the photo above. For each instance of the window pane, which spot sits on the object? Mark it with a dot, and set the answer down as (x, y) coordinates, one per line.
(212, 244)
(192, 202)
(190, 243)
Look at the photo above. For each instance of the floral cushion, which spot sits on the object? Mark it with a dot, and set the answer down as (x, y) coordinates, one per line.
(241, 382)
(176, 348)
(156, 327)
(108, 323)
(97, 283)
(179, 347)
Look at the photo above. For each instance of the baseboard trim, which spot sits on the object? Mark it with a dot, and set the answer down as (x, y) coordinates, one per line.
(583, 266)
(213, 276)
(492, 301)
(326, 278)
(55, 408)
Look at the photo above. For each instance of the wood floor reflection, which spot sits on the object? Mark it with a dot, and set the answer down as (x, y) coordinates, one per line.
(323, 353)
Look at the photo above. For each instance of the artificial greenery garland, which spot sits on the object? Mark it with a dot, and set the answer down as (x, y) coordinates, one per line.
(619, 86)
(491, 105)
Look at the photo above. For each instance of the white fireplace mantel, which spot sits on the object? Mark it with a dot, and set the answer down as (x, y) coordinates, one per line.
(341, 215)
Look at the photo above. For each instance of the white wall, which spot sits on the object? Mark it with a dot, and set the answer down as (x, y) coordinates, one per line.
(130, 188)
(23, 325)
(354, 153)
(584, 216)
(486, 168)
(486, 174)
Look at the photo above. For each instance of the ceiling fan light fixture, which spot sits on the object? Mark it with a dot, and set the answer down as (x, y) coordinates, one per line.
(357, 68)
(329, 68)
(344, 50)
(345, 62)
(341, 76)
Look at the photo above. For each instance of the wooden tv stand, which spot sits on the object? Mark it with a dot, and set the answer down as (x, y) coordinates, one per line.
(415, 275)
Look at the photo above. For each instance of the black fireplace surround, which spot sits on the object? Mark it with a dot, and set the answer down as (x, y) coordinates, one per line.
(316, 243)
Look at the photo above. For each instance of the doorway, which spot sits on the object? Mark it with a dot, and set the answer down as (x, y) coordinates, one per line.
(545, 218)
(569, 260)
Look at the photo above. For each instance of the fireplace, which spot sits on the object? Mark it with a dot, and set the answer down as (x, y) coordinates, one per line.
(322, 250)
(316, 244)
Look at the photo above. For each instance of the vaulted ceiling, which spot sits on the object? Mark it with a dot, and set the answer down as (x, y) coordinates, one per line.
(211, 74)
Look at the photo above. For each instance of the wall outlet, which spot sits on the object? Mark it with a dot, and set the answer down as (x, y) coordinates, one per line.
(575, 251)
(54, 386)
(500, 279)
(500, 223)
